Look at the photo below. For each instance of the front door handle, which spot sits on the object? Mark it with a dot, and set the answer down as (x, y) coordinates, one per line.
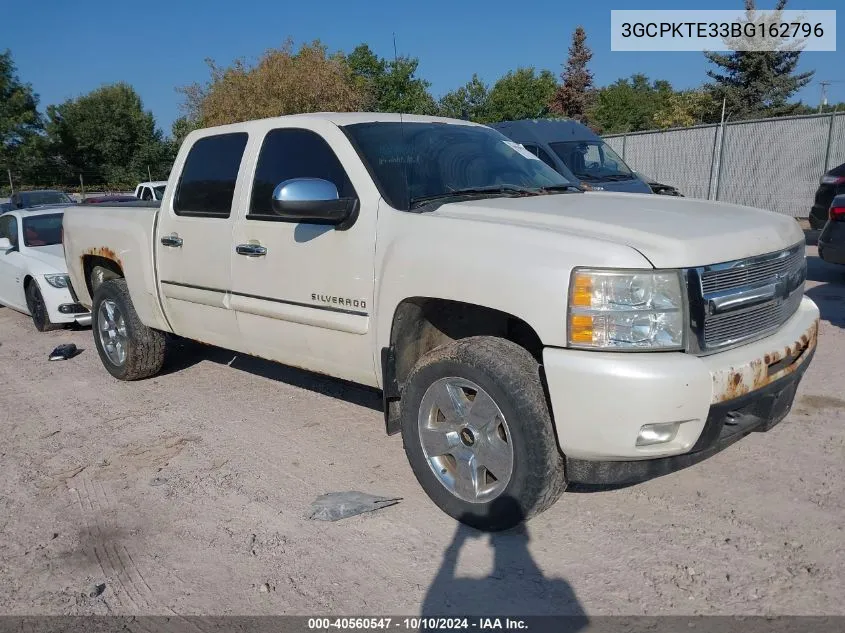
(251, 250)
(171, 240)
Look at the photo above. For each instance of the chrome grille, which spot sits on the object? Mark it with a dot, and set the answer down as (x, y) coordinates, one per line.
(740, 301)
(724, 329)
(745, 273)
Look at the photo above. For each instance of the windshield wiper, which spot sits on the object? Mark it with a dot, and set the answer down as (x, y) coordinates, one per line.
(568, 187)
(495, 190)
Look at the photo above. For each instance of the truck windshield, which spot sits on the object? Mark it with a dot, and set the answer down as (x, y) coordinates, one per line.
(159, 192)
(413, 163)
(592, 160)
(42, 230)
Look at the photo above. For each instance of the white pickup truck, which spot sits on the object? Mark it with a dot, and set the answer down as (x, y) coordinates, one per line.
(525, 334)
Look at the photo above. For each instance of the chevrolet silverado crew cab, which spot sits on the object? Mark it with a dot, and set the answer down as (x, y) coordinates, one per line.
(524, 333)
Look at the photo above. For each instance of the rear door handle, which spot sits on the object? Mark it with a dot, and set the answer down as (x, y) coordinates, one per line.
(251, 250)
(171, 240)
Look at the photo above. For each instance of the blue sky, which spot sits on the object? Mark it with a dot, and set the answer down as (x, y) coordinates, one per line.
(65, 49)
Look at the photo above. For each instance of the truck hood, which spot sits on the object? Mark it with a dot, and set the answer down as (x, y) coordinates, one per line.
(51, 258)
(670, 232)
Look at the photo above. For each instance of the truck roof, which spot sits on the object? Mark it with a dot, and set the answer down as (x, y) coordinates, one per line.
(338, 118)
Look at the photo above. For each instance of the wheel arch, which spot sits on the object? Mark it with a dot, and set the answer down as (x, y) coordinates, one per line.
(100, 268)
(28, 280)
(421, 324)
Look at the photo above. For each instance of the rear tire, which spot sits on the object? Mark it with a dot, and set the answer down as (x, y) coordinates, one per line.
(38, 309)
(517, 439)
(128, 349)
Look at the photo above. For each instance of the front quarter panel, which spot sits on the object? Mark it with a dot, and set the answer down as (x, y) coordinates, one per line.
(518, 270)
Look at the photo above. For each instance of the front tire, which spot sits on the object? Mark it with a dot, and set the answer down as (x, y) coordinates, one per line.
(38, 309)
(478, 433)
(128, 349)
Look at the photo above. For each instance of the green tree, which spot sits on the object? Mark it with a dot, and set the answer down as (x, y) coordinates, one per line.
(684, 108)
(521, 94)
(756, 83)
(108, 137)
(629, 105)
(470, 102)
(368, 71)
(181, 127)
(572, 97)
(20, 122)
(825, 109)
(390, 85)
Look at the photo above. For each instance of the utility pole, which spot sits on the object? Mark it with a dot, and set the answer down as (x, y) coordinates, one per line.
(11, 184)
(823, 99)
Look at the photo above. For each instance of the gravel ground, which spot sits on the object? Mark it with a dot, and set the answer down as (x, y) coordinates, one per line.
(186, 493)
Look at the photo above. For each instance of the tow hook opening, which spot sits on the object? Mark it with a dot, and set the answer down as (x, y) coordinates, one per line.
(788, 360)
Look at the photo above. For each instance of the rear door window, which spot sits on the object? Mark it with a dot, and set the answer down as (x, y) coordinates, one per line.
(207, 184)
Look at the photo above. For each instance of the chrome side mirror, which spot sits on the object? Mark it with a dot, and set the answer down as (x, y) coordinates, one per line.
(313, 201)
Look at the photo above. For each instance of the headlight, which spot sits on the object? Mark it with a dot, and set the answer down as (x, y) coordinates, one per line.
(642, 310)
(57, 281)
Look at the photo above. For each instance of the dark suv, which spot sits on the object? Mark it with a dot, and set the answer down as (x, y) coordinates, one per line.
(831, 184)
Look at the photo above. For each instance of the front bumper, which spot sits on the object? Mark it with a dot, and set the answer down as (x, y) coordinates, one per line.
(62, 307)
(726, 423)
(600, 400)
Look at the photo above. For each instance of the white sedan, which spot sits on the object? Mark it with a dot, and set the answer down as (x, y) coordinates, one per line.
(33, 273)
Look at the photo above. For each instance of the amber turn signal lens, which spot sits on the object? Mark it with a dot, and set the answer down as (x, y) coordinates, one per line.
(580, 328)
(582, 291)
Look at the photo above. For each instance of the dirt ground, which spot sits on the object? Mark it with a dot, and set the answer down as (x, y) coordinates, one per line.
(186, 493)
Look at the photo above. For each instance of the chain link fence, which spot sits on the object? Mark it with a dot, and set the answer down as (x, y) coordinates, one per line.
(772, 164)
(77, 183)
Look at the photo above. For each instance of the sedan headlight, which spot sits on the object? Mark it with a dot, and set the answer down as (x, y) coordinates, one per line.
(57, 281)
(631, 310)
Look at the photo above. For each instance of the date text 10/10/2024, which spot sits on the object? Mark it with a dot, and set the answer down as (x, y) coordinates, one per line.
(417, 623)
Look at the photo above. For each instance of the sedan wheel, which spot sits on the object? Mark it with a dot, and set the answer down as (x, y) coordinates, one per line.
(38, 309)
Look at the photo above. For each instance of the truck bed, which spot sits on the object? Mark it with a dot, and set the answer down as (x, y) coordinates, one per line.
(117, 236)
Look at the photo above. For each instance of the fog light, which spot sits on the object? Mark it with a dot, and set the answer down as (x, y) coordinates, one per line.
(72, 308)
(657, 433)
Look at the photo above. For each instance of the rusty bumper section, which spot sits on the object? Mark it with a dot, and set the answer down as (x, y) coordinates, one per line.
(733, 382)
(727, 422)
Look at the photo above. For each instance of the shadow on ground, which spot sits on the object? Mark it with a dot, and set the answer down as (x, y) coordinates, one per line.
(515, 587)
(183, 353)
